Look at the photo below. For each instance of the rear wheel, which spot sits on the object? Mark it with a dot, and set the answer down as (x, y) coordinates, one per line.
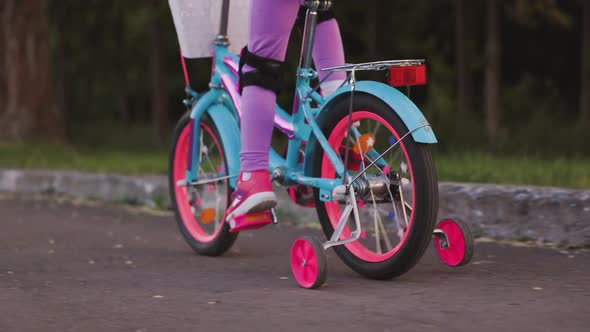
(199, 210)
(397, 223)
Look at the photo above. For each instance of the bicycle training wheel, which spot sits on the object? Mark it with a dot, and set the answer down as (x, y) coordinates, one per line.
(308, 262)
(456, 248)
(199, 210)
(398, 212)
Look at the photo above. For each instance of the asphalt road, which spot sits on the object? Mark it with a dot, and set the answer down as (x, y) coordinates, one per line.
(81, 267)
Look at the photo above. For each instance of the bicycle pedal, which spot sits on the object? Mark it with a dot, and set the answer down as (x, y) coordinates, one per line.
(251, 221)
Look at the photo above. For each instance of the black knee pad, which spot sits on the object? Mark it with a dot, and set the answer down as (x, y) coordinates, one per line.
(267, 72)
(323, 16)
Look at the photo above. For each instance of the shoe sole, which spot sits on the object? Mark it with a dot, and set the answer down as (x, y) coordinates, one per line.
(255, 203)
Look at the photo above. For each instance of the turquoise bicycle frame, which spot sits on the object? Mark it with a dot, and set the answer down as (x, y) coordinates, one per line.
(222, 103)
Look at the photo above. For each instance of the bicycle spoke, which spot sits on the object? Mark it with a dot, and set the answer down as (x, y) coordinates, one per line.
(403, 167)
(213, 198)
(378, 222)
(213, 170)
(400, 228)
(376, 129)
(385, 237)
(394, 157)
(211, 146)
(377, 239)
(408, 206)
(401, 195)
(398, 217)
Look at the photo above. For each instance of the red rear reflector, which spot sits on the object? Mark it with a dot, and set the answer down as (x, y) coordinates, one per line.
(407, 75)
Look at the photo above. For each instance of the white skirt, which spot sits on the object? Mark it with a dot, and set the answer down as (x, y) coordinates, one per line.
(197, 24)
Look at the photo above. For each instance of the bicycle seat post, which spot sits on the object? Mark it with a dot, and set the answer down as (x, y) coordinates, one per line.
(222, 36)
(311, 19)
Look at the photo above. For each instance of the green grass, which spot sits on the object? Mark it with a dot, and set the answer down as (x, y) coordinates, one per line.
(125, 161)
(483, 167)
(461, 167)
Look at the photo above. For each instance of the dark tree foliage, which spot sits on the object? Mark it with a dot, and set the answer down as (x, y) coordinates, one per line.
(113, 68)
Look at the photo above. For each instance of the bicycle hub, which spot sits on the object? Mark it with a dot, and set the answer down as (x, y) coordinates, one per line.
(278, 176)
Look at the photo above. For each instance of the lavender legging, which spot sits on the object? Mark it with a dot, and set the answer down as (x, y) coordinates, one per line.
(271, 22)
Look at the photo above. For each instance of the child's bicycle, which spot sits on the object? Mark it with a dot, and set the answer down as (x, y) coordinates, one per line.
(363, 151)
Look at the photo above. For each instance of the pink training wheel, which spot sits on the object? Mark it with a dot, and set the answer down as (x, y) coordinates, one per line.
(453, 242)
(308, 262)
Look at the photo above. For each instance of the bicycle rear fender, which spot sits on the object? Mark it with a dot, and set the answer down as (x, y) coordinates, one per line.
(399, 103)
(402, 105)
(227, 127)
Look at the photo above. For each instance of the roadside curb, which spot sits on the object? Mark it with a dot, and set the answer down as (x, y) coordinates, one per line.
(543, 214)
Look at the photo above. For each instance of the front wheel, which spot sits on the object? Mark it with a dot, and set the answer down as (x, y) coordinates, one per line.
(397, 223)
(199, 210)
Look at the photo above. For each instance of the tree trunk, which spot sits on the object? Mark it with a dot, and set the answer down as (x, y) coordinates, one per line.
(63, 56)
(3, 76)
(585, 72)
(16, 118)
(464, 83)
(159, 92)
(371, 14)
(492, 73)
(27, 110)
(121, 64)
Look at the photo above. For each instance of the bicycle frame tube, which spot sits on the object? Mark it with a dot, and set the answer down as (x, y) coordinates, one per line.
(298, 127)
(223, 105)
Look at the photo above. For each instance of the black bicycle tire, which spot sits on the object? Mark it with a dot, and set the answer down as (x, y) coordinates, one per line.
(426, 193)
(223, 242)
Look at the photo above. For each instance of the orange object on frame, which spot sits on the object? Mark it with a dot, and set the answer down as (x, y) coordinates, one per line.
(363, 144)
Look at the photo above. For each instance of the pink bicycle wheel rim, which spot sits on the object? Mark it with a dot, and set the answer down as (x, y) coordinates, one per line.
(182, 198)
(454, 254)
(305, 274)
(333, 209)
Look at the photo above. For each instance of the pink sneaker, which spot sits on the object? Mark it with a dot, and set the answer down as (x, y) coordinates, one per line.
(253, 194)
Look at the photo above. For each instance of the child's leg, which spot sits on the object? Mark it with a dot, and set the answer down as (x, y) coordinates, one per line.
(328, 52)
(270, 26)
(271, 22)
